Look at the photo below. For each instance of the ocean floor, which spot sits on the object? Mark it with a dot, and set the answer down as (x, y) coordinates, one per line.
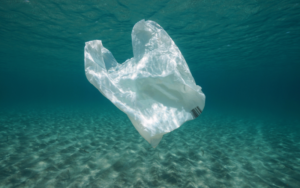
(88, 146)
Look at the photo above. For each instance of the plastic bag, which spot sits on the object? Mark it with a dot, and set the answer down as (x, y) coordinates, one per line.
(155, 88)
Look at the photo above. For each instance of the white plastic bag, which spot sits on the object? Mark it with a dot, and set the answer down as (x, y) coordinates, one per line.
(155, 88)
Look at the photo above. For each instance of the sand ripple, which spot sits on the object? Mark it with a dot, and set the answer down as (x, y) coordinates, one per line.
(87, 146)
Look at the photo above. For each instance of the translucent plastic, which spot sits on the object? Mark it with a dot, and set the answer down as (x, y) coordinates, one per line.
(155, 88)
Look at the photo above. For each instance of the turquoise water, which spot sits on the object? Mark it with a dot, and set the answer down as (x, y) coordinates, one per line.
(57, 130)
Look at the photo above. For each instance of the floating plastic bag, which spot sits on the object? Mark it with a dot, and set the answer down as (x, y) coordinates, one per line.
(155, 88)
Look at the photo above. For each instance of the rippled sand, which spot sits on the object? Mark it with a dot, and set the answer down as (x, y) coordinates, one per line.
(82, 146)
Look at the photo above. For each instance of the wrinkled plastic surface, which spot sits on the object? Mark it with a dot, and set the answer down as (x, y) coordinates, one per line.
(155, 88)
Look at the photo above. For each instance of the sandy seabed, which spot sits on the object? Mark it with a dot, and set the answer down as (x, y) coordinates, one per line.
(85, 146)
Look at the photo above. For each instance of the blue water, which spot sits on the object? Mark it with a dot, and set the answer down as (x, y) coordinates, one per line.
(57, 130)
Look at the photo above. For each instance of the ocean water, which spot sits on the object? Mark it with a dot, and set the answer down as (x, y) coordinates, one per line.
(57, 130)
